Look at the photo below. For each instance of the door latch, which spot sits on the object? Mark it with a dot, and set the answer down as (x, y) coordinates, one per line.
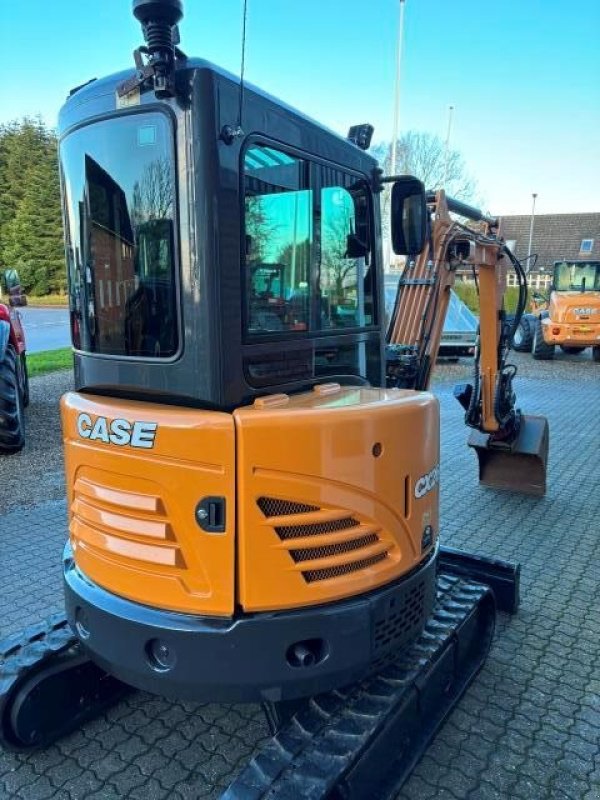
(210, 514)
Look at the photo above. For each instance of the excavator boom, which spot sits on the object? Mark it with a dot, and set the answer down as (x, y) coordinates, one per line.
(512, 448)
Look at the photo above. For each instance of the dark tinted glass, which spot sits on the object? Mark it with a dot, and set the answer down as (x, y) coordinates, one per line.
(307, 233)
(346, 293)
(573, 276)
(278, 224)
(118, 181)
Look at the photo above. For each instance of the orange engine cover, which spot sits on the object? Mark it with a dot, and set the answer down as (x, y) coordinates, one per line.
(327, 495)
(336, 490)
(133, 493)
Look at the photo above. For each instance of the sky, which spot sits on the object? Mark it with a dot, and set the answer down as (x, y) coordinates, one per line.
(523, 75)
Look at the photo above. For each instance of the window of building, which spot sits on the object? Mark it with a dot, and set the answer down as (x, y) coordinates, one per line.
(308, 246)
(587, 245)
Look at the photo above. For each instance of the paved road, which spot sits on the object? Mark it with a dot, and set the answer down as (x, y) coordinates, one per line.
(529, 726)
(46, 328)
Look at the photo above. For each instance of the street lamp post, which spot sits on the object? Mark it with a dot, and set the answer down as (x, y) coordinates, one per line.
(534, 195)
(447, 147)
(395, 130)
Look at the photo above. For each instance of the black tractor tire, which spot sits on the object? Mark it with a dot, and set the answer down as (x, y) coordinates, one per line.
(567, 348)
(523, 338)
(596, 353)
(541, 351)
(12, 410)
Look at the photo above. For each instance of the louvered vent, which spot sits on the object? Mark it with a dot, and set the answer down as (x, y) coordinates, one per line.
(312, 575)
(343, 537)
(272, 507)
(310, 553)
(334, 525)
(406, 616)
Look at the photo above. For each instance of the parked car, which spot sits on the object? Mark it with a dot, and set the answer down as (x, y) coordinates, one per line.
(460, 329)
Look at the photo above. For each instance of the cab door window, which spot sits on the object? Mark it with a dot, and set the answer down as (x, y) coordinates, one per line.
(278, 241)
(345, 288)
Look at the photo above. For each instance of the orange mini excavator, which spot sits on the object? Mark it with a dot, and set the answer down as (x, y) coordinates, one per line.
(253, 504)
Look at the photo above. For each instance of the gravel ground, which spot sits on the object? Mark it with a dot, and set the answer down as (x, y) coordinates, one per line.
(42, 457)
(36, 473)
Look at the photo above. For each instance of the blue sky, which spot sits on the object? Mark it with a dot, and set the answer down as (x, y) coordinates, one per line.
(523, 75)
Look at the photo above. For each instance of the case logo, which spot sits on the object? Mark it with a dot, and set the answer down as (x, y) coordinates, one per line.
(117, 431)
(427, 482)
(584, 310)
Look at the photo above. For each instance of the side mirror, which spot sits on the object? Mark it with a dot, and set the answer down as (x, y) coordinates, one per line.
(355, 248)
(409, 216)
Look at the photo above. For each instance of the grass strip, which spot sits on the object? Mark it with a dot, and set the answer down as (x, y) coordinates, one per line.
(49, 361)
(57, 300)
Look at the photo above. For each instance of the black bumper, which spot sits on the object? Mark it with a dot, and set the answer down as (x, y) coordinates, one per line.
(251, 657)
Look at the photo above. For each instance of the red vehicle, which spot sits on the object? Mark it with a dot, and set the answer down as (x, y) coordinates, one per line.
(14, 382)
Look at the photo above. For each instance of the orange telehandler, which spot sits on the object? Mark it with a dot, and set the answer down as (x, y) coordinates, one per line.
(253, 512)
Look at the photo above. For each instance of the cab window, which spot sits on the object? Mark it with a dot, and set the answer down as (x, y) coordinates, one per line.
(307, 246)
(346, 299)
(279, 240)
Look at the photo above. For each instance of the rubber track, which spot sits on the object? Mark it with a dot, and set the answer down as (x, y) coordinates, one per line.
(21, 654)
(311, 755)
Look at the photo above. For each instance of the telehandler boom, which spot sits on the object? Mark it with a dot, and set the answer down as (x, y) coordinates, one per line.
(253, 513)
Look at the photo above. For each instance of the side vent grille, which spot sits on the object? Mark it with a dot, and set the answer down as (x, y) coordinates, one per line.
(271, 507)
(297, 531)
(400, 621)
(310, 553)
(329, 536)
(343, 569)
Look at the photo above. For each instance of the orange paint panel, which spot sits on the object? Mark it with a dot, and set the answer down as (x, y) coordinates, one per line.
(580, 334)
(155, 554)
(135, 502)
(120, 495)
(310, 479)
(119, 522)
(163, 583)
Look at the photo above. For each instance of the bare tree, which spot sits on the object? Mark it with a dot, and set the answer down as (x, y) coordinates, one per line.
(424, 155)
(338, 272)
(153, 196)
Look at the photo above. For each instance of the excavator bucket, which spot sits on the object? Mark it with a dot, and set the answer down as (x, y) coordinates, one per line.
(519, 466)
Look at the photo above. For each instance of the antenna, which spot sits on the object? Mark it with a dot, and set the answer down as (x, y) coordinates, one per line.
(243, 64)
(231, 132)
